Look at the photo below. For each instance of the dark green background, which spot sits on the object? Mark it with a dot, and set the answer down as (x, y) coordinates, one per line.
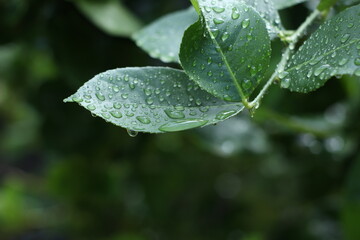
(290, 173)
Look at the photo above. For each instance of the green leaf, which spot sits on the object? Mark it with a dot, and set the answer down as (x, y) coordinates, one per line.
(152, 99)
(228, 50)
(110, 16)
(162, 38)
(281, 4)
(334, 49)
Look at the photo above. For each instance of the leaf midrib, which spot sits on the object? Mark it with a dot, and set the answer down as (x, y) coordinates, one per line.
(233, 78)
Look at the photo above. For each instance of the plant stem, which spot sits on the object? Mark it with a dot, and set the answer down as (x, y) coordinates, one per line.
(292, 40)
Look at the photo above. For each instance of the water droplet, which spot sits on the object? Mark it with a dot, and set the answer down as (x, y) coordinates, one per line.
(204, 109)
(218, 9)
(227, 98)
(357, 61)
(321, 69)
(100, 96)
(357, 72)
(86, 96)
(148, 91)
(343, 61)
(310, 73)
(116, 114)
(143, 120)
(225, 36)
(91, 107)
(282, 75)
(132, 133)
(150, 101)
(235, 14)
(345, 38)
(77, 99)
(182, 125)
(218, 21)
(225, 115)
(316, 60)
(132, 86)
(117, 105)
(125, 96)
(285, 83)
(175, 114)
(246, 84)
(116, 89)
(245, 23)
(105, 116)
(207, 9)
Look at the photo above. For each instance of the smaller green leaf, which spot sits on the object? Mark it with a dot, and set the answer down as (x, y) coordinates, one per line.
(110, 16)
(281, 4)
(152, 99)
(334, 49)
(162, 38)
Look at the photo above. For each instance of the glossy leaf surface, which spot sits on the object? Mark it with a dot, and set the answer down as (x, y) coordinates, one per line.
(110, 16)
(228, 50)
(334, 49)
(152, 99)
(162, 38)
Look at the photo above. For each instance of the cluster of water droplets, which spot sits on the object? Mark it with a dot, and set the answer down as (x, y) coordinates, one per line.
(151, 100)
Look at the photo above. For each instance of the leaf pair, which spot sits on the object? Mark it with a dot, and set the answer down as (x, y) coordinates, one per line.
(231, 50)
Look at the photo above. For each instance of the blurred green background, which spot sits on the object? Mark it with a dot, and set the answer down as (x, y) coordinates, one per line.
(292, 172)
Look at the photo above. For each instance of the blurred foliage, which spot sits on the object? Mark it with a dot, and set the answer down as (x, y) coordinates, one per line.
(291, 172)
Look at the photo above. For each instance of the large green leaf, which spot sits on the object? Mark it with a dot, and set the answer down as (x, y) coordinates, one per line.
(162, 38)
(281, 4)
(228, 50)
(152, 99)
(110, 16)
(334, 49)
